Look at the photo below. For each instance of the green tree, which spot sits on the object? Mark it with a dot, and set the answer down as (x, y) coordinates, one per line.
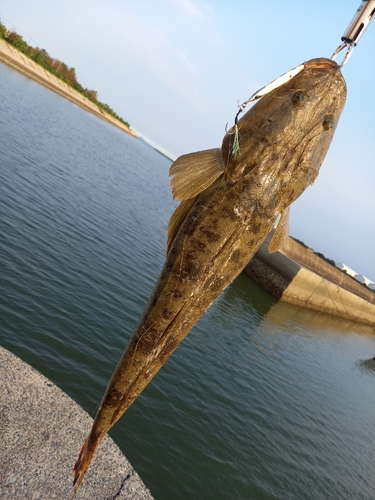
(3, 31)
(56, 67)
(16, 40)
(91, 94)
(40, 56)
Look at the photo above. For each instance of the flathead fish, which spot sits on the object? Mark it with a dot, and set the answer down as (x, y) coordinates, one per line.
(231, 198)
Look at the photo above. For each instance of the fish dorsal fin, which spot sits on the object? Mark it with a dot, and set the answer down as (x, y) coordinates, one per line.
(281, 233)
(177, 219)
(193, 173)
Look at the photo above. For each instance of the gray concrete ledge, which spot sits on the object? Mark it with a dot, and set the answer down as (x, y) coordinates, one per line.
(41, 432)
(307, 280)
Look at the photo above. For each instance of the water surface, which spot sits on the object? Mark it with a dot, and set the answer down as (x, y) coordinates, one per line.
(261, 401)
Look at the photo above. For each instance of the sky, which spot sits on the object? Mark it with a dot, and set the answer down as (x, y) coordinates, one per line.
(175, 69)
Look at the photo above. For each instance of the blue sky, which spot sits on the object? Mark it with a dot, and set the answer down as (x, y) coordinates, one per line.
(174, 69)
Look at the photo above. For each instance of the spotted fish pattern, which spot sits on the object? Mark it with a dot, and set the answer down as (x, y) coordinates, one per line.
(230, 199)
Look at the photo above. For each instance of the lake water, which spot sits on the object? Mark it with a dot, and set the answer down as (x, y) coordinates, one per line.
(261, 401)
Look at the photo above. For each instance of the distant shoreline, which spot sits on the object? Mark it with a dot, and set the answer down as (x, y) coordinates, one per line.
(18, 61)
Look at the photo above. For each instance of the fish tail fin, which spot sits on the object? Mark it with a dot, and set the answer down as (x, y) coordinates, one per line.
(83, 462)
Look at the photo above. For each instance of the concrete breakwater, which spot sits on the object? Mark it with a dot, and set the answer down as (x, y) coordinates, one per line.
(297, 275)
(41, 432)
(18, 61)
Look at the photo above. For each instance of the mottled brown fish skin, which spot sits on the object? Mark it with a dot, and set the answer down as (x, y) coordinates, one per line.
(283, 140)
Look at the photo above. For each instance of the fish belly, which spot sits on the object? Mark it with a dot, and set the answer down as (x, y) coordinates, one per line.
(211, 248)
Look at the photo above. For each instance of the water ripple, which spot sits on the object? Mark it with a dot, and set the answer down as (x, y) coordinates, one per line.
(261, 401)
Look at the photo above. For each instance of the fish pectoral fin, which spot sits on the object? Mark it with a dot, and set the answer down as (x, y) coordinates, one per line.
(281, 233)
(177, 219)
(194, 172)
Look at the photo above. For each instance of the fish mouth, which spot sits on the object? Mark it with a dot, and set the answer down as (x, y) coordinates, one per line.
(321, 63)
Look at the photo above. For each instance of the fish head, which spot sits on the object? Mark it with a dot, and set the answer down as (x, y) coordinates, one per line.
(291, 127)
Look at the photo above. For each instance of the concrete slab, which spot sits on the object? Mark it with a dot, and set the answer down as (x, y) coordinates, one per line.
(41, 432)
(297, 275)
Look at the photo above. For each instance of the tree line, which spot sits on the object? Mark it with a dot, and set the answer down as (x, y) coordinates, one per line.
(56, 67)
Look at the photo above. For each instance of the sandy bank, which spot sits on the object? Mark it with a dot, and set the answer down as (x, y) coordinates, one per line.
(18, 61)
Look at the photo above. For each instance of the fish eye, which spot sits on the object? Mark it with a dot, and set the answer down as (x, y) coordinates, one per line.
(298, 99)
(328, 122)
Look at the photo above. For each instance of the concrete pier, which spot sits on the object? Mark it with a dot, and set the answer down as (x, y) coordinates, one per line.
(297, 275)
(41, 432)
